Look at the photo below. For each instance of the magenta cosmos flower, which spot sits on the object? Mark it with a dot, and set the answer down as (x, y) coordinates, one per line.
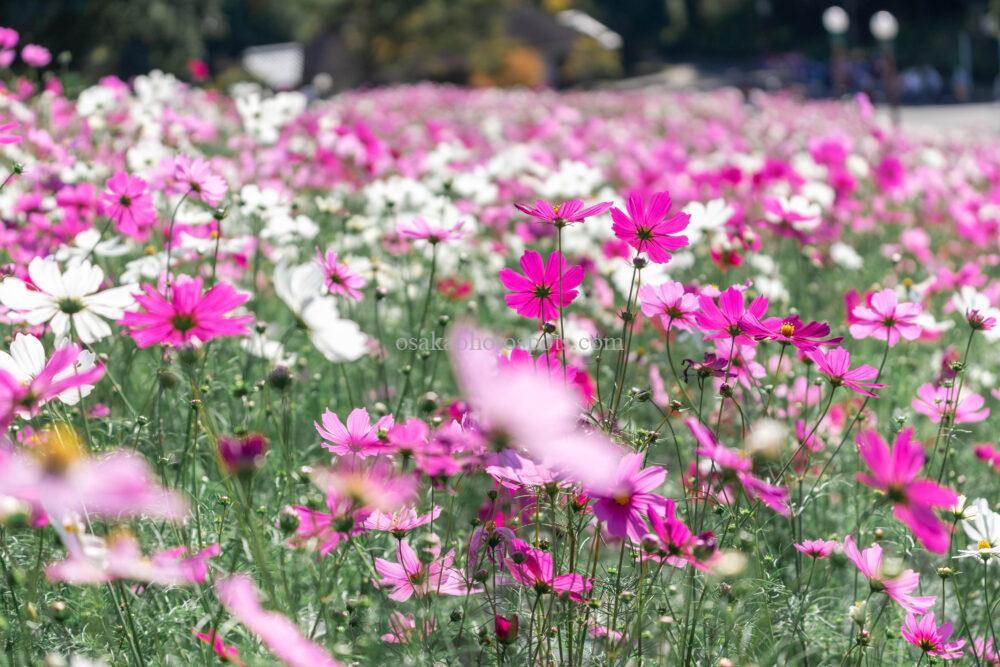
(894, 472)
(35, 55)
(543, 289)
(670, 303)
(411, 577)
(563, 214)
(930, 637)
(281, 637)
(730, 318)
(324, 531)
(836, 365)
(533, 568)
(339, 279)
(647, 229)
(817, 549)
(186, 315)
(936, 402)
(129, 205)
(359, 436)
(792, 331)
(5, 130)
(623, 507)
(898, 588)
(884, 318)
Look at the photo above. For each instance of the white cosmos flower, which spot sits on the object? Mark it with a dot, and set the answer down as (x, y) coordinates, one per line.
(706, 218)
(264, 346)
(26, 360)
(68, 300)
(300, 287)
(983, 530)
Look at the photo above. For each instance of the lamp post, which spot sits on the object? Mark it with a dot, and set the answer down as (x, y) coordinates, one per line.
(836, 21)
(884, 28)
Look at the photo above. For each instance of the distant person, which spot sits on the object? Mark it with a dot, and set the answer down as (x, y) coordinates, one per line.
(961, 84)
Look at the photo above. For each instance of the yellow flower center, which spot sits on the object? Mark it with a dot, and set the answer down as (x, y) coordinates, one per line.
(623, 498)
(984, 544)
(57, 448)
(787, 329)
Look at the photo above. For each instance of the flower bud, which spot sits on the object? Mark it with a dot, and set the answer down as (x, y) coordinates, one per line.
(506, 628)
(288, 520)
(242, 455)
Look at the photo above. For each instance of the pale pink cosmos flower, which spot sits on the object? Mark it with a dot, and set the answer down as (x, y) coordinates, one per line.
(58, 478)
(817, 549)
(358, 437)
(836, 365)
(544, 288)
(898, 588)
(931, 638)
(186, 315)
(198, 180)
(525, 409)
(283, 638)
(35, 55)
(986, 652)
(339, 279)
(624, 506)
(894, 472)
(534, 569)
(409, 576)
(562, 214)
(420, 229)
(647, 229)
(936, 402)
(669, 302)
(130, 205)
(400, 522)
(5, 133)
(94, 560)
(726, 461)
(403, 629)
(884, 318)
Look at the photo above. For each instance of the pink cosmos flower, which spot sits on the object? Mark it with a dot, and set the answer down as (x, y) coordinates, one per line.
(647, 229)
(5, 130)
(817, 549)
(985, 651)
(898, 588)
(791, 331)
(623, 508)
(186, 315)
(730, 318)
(196, 178)
(371, 484)
(402, 629)
(400, 522)
(420, 229)
(670, 303)
(562, 214)
(326, 530)
(339, 279)
(836, 365)
(731, 464)
(411, 577)
(94, 560)
(540, 292)
(895, 474)
(226, 653)
(533, 568)
(35, 55)
(359, 437)
(58, 478)
(59, 376)
(930, 637)
(283, 638)
(884, 318)
(676, 541)
(936, 402)
(127, 202)
(8, 40)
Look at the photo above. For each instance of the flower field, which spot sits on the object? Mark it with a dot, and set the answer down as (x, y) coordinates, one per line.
(445, 376)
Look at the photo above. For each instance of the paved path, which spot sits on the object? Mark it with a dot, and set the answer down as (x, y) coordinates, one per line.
(951, 118)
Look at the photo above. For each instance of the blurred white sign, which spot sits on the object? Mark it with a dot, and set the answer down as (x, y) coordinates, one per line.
(277, 65)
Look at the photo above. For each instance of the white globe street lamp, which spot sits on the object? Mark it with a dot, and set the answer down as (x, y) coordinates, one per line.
(884, 26)
(835, 20)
